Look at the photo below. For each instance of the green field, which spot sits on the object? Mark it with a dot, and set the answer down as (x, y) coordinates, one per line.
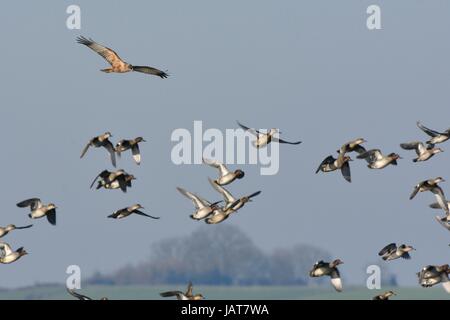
(221, 293)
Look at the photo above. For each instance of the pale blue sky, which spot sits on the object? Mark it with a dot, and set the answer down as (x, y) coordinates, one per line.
(310, 68)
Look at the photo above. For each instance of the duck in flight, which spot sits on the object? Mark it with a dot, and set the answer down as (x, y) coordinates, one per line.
(113, 180)
(384, 296)
(188, 295)
(392, 252)
(133, 144)
(117, 64)
(433, 275)
(330, 164)
(330, 269)
(226, 176)
(80, 296)
(232, 203)
(263, 139)
(39, 210)
(10, 227)
(125, 212)
(436, 137)
(432, 185)
(376, 160)
(8, 255)
(102, 141)
(203, 208)
(423, 152)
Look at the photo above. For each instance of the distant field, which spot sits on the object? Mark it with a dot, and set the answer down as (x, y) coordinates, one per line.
(221, 293)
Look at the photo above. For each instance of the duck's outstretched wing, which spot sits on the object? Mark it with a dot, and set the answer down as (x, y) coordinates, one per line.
(85, 149)
(105, 52)
(190, 290)
(33, 203)
(436, 205)
(345, 169)
(51, 216)
(144, 214)
(136, 154)
(6, 248)
(336, 280)
(371, 155)
(387, 249)
(24, 227)
(150, 70)
(171, 294)
(251, 130)
(112, 151)
(77, 295)
(284, 141)
(440, 197)
(104, 175)
(415, 191)
(328, 160)
(225, 193)
(416, 145)
(428, 131)
(218, 165)
(199, 203)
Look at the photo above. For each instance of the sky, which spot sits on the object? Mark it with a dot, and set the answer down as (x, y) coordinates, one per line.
(310, 68)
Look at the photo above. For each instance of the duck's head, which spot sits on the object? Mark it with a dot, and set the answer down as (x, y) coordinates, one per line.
(23, 252)
(439, 179)
(360, 140)
(139, 139)
(108, 134)
(51, 206)
(337, 262)
(437, 150)
(406, 248)
(394, 156)
(138, 206)
(199, 296)
(131, 177)
(347, 158)
(239, 174)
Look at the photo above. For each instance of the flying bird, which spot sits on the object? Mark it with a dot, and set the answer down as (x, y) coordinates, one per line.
(423, 152)
(436, 137)
(102, 141)
(8, 255)
(117, 64)
(376, 160)
(392, 252)
(330, 164)
(203, 207)
(39, 210)
(232, 203)
(125, 212)
(80, 296)
(433, 275)
(133, 144)
(188, 295)
(10, 227)
(432, 185)
(114, 180)
(263, 139)
(352, 146)
(384, 296)
(330, 269)
(226, 176)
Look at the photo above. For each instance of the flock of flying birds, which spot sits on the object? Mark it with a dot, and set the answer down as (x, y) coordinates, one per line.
(215, 212)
